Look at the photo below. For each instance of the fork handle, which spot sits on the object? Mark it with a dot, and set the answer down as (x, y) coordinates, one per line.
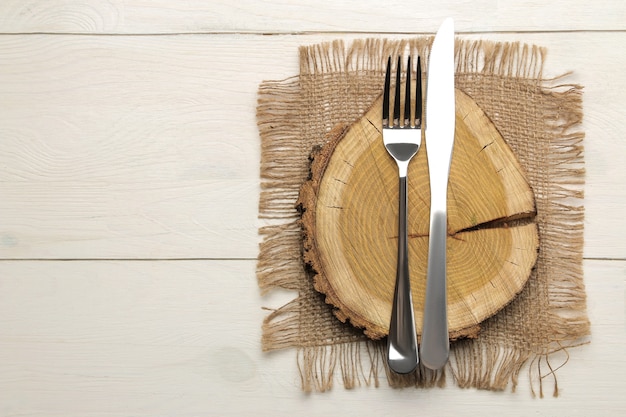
(402, 340)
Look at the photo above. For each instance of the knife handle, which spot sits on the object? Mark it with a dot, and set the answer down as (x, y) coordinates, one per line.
(435, 344)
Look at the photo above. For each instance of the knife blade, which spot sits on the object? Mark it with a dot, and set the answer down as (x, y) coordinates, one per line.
(439, 131)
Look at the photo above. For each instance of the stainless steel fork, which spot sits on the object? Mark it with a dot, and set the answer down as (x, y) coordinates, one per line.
(402, 139)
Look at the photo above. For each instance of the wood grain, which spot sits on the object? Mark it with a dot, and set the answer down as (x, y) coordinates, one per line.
(126, 144)
(200, 16)
(349, 218)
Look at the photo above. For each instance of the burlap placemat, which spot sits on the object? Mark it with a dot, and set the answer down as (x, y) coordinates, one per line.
(539, 119)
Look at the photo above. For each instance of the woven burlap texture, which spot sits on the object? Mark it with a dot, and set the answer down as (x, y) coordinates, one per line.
(539, 118)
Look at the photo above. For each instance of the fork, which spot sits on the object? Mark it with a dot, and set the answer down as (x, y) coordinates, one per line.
(402, 139)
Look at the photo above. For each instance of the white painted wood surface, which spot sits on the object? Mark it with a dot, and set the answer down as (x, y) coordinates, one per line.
(128, 199)
(271, 16)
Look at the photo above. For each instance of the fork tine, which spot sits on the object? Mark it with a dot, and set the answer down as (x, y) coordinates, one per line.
(396, 106)
(386, 94)
(407, 96)
(418, 95)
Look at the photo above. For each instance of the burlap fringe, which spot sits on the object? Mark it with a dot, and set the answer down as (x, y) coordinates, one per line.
(280, 327)
(473, 364)
(359, 364)
(502, 59)
(279, 264)
(510, 59)
(565, 236)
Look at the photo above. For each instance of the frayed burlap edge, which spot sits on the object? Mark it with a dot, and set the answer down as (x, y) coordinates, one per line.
(473, 363)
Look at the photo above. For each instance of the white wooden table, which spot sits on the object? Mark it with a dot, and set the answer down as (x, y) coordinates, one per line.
(129, 185)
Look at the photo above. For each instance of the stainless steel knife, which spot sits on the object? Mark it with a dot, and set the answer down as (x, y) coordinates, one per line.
(440, 117)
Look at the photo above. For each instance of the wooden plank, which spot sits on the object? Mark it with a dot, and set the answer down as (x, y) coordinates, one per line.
(200, 16)
(85, 338)
(149, 141)
(147, 147)
(157, 219)
(182, 338)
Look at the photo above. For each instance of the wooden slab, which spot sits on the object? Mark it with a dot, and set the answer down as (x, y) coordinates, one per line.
(350, 213)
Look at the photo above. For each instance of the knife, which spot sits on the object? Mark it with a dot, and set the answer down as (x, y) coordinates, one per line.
(439, 128)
